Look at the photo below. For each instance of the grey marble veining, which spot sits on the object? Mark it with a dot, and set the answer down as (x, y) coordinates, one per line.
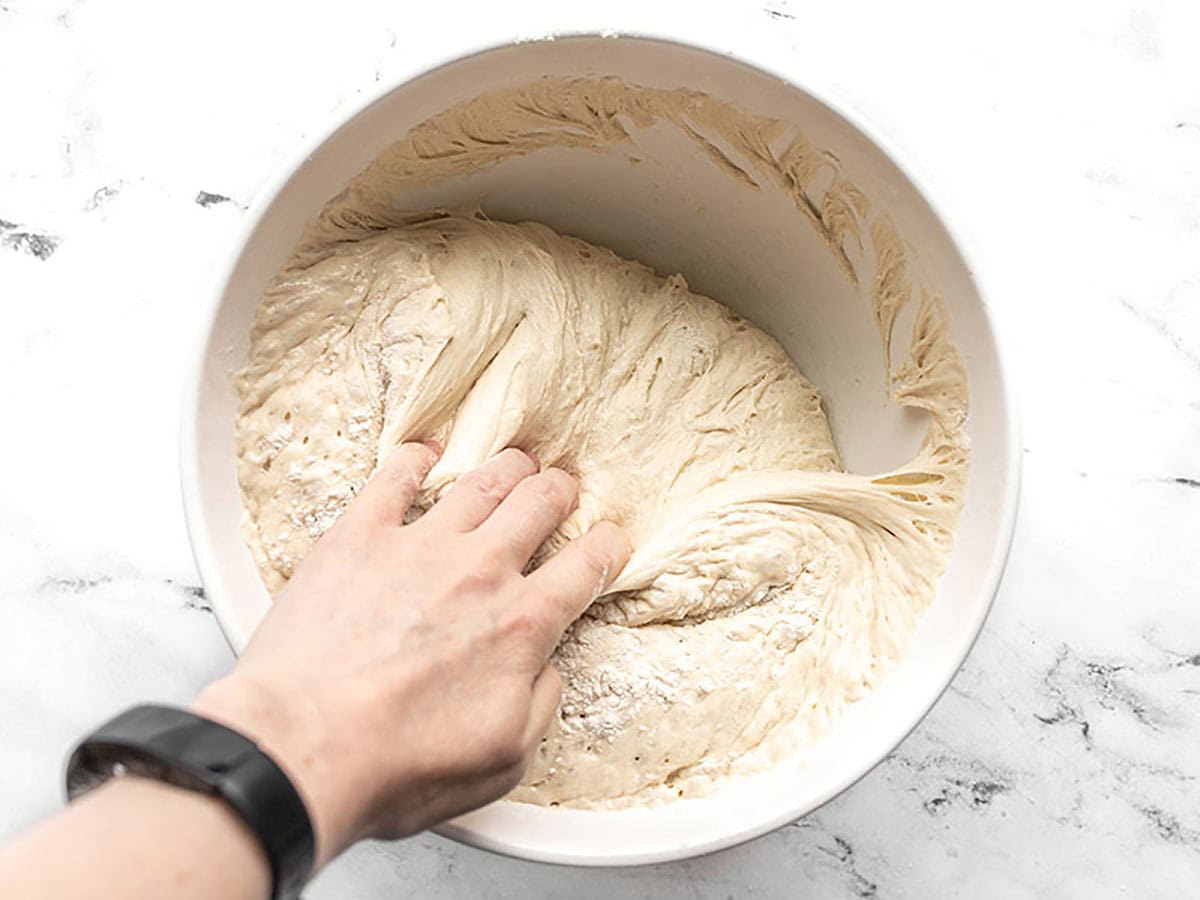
(1063, 138)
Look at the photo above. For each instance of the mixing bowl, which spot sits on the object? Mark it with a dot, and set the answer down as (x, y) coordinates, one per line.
(660, 198)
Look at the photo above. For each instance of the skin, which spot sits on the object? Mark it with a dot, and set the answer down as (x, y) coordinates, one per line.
(401, 678)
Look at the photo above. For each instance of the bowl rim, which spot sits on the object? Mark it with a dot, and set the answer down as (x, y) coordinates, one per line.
(760, 59)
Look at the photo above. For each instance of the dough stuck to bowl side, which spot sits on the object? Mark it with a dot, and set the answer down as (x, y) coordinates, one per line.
(768, 587)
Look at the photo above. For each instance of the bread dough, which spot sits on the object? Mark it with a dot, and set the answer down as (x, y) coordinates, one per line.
(768, 587)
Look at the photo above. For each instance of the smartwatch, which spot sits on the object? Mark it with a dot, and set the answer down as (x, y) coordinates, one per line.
(192, 752)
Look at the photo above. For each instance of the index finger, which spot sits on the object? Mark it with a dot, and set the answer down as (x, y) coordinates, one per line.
(389, 492)
(579, 573)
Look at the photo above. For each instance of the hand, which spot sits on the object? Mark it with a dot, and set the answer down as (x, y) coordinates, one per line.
(402, 676)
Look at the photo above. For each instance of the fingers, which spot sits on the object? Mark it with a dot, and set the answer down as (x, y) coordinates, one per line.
(547, 691)
(529, 515)
(391, 490)
(478, 493)
(581, 571)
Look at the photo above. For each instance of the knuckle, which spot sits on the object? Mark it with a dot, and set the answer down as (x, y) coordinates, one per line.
(352, 528)
(486, 484)
(491, 558)
(546, 493)
(480, 579)
(467, 571)
(406, 480)
(525, 625)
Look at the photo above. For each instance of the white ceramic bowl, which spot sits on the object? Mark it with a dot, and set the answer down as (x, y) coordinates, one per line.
(751, 250)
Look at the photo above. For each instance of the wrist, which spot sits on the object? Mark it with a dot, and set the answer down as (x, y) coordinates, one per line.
(290, 730)
(205, 820)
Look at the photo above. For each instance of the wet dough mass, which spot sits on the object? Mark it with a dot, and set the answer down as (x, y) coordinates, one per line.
(768, 587)
(766, 584)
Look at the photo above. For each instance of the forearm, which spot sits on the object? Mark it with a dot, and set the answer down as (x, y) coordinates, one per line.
(136, 838)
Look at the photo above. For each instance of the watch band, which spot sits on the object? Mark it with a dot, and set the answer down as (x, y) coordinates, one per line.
(190, 751)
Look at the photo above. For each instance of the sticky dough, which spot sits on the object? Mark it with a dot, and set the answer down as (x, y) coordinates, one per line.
(768, 587)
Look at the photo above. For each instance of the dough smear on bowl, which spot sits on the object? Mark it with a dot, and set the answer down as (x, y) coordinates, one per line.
(768, 587)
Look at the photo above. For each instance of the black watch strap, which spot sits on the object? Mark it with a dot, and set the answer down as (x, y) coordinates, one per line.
(192, 752)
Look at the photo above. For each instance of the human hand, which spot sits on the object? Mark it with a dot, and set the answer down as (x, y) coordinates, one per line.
(402, 676)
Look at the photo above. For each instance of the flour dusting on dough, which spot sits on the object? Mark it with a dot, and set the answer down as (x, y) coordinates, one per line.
(768, 587)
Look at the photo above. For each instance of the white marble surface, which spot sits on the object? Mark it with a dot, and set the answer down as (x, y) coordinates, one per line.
(1065, 137)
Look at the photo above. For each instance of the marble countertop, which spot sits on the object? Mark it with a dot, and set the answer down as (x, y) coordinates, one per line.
(1063, 761)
